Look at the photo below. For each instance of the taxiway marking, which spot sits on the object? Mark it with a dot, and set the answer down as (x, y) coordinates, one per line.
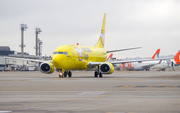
(150, 86)
(11, 107)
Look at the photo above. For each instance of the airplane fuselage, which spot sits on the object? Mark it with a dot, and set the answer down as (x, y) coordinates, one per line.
(75, 57)
(138, 66)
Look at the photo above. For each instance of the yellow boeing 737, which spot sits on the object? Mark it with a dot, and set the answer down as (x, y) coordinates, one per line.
(75, 57)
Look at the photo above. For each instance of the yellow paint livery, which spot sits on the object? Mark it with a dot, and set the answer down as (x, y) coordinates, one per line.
(100, 43)
(76, 57)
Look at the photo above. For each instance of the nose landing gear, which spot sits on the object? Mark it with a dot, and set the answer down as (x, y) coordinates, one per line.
(61, 74)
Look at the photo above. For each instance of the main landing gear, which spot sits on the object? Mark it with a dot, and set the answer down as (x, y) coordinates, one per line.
(146, 69)
(97, 72)
(65, 74)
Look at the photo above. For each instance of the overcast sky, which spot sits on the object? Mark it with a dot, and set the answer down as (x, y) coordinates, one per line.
(150, 24)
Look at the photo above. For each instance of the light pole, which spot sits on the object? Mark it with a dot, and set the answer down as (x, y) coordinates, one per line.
(37, 31)
(23, 28)
(40, 47)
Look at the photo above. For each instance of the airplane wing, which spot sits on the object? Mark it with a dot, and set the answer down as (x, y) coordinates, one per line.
(93, 64)
(141, 60)
(122, 49)
(32, 60)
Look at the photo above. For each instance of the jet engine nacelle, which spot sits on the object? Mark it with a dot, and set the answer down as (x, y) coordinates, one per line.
(106, 68)
(139, 68)
(47, 67)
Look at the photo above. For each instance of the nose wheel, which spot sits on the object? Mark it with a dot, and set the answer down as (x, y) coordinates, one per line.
(61, 75)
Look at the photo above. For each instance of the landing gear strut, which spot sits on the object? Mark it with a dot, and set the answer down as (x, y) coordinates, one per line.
(61, 74)
(96, 73)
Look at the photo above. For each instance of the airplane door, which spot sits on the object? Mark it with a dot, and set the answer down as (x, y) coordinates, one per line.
(68, 58)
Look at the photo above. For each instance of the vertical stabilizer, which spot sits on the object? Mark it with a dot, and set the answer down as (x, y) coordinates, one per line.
(177, 57)
(156, 53)
(100, 43)
(110, 56)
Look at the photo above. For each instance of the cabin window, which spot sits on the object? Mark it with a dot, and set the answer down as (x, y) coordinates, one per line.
(65, 53)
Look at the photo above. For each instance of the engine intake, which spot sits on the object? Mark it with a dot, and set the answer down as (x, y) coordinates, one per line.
(47, 67)
(106, 68)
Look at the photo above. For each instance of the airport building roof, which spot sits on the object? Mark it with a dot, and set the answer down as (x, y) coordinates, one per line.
(4, 48)
(5, 51)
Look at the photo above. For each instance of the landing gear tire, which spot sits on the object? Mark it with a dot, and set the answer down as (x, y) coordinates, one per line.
(61, 75)
(65, 74)
(95, 74)
(69, 74)
(100, 75)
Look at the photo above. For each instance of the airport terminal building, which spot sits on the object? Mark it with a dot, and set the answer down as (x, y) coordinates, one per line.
(12, 64)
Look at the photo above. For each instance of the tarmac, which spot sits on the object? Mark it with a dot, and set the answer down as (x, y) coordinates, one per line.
(120, 92)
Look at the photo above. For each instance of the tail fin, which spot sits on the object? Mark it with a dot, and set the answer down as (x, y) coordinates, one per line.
(156, 53)
(110, 56)
(100, 43)
(177, 57)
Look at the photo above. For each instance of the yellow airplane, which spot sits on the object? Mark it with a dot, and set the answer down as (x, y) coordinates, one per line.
(75, 57)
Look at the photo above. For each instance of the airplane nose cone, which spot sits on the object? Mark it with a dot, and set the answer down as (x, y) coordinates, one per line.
(56, 61)
(59, 61)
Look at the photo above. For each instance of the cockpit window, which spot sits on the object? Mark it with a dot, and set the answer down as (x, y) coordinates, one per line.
(65, 53)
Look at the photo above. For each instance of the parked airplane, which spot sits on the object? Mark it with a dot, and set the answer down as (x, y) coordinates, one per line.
(162, 64)
(142, 66)
(168, 63)
(110, 57)
(77, 57)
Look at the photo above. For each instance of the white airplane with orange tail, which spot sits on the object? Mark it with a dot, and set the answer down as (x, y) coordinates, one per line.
(150, 64)
(142, 65)
(169, 63)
